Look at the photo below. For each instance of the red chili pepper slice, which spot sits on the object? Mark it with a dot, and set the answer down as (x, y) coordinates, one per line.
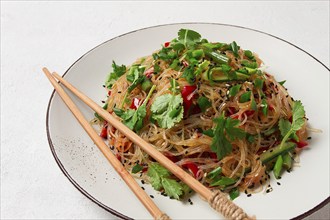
(135, 103)
(185, 63)
(249, 113)
(109, 93)
(167, 44)
(187, 98)
(192, 167)
(300, 144)
(104, 131)
(149, 72)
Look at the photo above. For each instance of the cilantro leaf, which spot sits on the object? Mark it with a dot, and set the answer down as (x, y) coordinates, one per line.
(172, 188)
(220, 144)
(288, 129)
(160, 179)
(189, 74)
(135, 76)
(156, 172)
(167, 110)
(188, 37)
(225, 128)
(134, 118)
(232, 130)
(118, 71)
(284, 126)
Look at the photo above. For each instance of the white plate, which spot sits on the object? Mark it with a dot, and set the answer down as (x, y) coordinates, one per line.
(301, 192)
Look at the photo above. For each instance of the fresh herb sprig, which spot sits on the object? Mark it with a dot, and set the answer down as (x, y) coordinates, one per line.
(288, 129)
(226, 130)
(160, 178)
(167, 110)
(134, 118)
(118, 71)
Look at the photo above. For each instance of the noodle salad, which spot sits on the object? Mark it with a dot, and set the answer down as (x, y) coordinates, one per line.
(211, 108)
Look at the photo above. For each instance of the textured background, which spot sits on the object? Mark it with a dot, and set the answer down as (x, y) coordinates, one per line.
(55, 34)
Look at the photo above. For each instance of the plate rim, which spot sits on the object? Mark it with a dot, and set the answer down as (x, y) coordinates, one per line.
(105, 207)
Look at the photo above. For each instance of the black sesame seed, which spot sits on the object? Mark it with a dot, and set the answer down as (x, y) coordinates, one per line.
(309, 138)
(142, 181)
(248, 195)
(152, 196)
(189, 200)
(103, 86)
(245, 192)
(191, 203)
(103, 101)
(278, 183)
(142, 187)
(119, 92)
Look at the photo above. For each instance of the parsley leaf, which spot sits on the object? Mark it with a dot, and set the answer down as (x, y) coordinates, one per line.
(118, 71)
(226, 129)
(287, 129)
(167, 110)
(160, 179)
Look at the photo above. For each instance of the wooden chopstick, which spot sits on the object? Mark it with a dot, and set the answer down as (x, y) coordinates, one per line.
(217, 200)
(130, 181)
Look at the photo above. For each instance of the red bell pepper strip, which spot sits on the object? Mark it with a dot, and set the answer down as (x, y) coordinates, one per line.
(135, 103)
(187, 98)
(170, 156)
(192, 167)
(104, 131)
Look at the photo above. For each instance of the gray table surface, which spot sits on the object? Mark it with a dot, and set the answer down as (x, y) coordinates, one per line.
(54, 34)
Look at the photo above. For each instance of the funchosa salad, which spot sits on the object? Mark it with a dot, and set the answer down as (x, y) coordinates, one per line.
(211, 108)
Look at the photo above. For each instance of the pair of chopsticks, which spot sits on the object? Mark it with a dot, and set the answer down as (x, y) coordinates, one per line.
(217, 200)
